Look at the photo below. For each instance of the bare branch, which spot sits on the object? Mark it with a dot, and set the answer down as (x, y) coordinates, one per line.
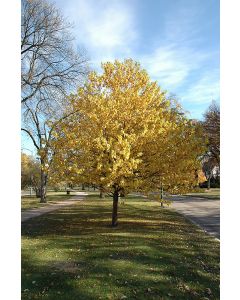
(32, 138)
(49, 60)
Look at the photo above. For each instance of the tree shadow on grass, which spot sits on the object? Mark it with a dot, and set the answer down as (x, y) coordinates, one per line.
(152, 254)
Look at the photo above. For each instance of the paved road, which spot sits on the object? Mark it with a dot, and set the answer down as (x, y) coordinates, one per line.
(35, 212)
(202, 211)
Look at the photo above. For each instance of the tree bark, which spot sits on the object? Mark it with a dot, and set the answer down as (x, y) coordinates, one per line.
(101, 195)
(115, 209)
(44, 178)
(209, 183)
(161, 196)
(38, 192)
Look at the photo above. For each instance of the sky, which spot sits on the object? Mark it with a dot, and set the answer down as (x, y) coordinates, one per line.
(176, 41)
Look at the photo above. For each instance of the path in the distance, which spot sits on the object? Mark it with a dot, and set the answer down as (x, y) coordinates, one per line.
(35, 212)
(203, 211)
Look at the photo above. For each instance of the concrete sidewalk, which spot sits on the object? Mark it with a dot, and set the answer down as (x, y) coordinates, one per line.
(35, 212)
(201, 211)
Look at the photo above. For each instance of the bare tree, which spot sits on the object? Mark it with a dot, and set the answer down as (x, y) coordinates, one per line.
(50, 65)
(51, 68)
(208, 165)
(211, 125)
(30, 173)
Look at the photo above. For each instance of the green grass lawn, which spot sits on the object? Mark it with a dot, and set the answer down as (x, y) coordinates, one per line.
(28, 202)
(210, 194)
(154, 253)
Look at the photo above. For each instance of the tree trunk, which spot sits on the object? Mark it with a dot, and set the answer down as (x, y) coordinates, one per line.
(38, 192)
(115, 209)
(83, 187)
(209, 183)
(44, 178)
(101, 195)
(161, 195)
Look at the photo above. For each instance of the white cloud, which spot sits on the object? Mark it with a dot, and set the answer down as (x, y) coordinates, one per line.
(204, 90)
(165, 65)
(172, 65)
(186, 72)
(106, 28)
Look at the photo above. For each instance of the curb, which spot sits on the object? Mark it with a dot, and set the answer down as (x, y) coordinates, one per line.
(198, 225)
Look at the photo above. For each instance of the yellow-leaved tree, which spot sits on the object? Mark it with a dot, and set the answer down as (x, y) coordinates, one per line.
(126, 135)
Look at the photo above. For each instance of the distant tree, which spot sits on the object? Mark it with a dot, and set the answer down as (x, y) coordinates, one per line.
(51, 67)
(208, 166)
(211, 126)
(30, 173)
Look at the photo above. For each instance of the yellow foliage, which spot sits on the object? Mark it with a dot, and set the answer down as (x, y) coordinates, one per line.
(201, 177)
(126, 134)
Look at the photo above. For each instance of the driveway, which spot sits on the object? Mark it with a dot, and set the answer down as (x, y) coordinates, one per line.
(201, 211)
(35, 212)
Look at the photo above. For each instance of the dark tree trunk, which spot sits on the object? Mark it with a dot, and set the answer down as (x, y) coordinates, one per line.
(101, 195)
(209, 183)
(68, 188)
(83, 187)
(115, 209)
(161, 196)
(43, 187)
(38, 192)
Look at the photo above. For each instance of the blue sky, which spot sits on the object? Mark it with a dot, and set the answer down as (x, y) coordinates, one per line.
(176, 41)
